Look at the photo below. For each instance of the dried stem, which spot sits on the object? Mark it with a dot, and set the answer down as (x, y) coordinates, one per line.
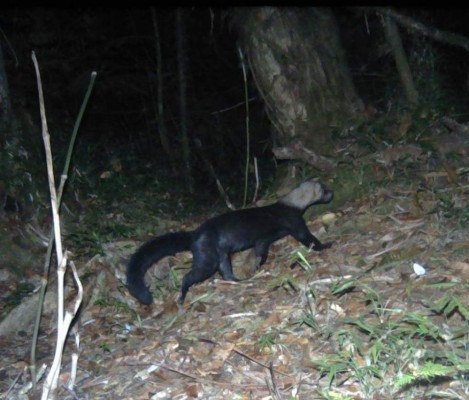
(246, 101)
(63, 321)
(50, 246)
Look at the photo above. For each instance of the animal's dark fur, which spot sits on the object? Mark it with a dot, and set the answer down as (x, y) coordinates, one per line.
(215, 240)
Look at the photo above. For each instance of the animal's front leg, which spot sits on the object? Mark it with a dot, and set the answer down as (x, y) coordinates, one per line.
(303, 235)
(318, 246)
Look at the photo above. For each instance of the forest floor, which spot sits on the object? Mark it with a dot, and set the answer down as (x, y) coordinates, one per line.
(382, 314)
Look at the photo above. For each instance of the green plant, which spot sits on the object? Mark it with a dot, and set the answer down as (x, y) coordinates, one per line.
(105, 347)
(430, 371)
(299, 255)
(385, 349)
(114, 303)
(286, 281)
(267, 341)
(310, 320)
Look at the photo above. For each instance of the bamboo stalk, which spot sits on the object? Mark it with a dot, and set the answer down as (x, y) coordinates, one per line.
(64, 319)
(46, 269)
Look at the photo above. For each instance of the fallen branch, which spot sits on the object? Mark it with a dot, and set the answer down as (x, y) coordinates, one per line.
(297, 151)
(450, 38)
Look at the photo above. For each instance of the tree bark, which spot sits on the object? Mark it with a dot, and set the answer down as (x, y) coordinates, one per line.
(300, 70)
(181, 55)
(5, 102)
(163, 132)
(394, 40)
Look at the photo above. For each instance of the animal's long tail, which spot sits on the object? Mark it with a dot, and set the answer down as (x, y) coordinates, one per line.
(150, 253)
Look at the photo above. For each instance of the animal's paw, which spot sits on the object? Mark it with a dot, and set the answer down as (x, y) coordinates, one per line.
(323, 246)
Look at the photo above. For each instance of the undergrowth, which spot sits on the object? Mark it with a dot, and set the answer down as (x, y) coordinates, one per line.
(390, 351)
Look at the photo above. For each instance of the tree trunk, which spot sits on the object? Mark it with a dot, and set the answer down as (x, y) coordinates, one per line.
(163, 132)
(394, 40)
(181, 57)
(5, 103)
(300, 70)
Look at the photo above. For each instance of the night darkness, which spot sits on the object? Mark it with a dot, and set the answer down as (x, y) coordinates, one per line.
(121, 117)
(120, 122)
(120, 45)
(354, 284)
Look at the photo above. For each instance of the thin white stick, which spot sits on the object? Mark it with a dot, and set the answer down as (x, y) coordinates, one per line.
(52, 378)
(63, 321)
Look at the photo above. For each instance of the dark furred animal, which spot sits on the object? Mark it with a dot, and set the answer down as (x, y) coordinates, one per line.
(215, 240)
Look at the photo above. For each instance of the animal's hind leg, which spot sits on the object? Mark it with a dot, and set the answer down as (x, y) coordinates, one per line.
(261, 250)
(226, 269)
(203, 267)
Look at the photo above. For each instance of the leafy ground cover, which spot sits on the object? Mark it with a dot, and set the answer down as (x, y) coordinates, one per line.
(382, 314)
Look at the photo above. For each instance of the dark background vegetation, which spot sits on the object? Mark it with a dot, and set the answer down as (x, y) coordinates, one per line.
(119, 134)
(400, 201)
(440, 71)
(120, 121)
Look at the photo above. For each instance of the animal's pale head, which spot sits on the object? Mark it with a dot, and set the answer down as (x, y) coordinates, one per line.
(308, 193)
